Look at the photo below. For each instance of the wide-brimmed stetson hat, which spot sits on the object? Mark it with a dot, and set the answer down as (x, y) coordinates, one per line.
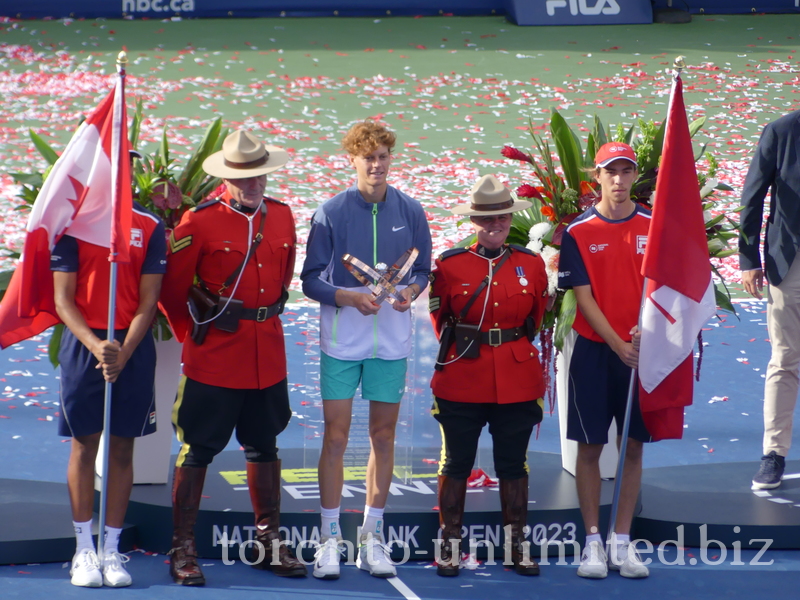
(242, 155)
(490, 197)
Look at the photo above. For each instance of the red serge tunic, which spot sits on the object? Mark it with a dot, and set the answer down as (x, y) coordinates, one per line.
(503, 374)
(211, 241)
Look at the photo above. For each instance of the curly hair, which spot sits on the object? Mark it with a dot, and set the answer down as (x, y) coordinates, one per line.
(364, 137)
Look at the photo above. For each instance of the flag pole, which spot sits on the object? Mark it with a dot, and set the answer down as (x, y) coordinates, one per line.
(623, 444)
(678, 65)
(122, 61)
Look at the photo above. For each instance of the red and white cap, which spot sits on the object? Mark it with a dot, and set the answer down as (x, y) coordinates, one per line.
(612, 151)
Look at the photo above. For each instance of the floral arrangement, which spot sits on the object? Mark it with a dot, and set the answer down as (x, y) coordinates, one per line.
(157, 185)
(563, 194)
(162, 190)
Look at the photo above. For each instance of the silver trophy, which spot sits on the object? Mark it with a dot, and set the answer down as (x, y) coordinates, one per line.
(382, 281)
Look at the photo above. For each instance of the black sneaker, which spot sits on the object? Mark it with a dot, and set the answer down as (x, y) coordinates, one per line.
(770, 473)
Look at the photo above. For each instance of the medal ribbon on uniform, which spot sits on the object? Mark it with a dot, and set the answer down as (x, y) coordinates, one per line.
(521, 274)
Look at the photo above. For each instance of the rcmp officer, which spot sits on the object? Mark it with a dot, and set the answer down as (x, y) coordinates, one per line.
(486, 303)
(236, 254)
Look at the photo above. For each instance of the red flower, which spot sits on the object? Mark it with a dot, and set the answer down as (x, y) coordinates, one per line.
(166, 195)
(559, 232)
(221, 189)
(588, 187)
(548, 212)
(587, 201)
(513, 153)
(528, 191)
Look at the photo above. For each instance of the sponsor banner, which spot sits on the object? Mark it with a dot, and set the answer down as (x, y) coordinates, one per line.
(160, 9)
(580, 12)
(522, 12)
(409, 536)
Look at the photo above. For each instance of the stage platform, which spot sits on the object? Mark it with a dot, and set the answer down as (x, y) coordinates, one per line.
(715, 502)
(36, 523)
(411, 512)
(691, 505)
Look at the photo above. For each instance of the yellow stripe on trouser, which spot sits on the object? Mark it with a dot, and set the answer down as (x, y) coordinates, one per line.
(443, 454)
(179, 431)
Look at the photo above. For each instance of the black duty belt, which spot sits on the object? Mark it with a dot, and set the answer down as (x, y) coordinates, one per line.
(495, 337)
(262, 313)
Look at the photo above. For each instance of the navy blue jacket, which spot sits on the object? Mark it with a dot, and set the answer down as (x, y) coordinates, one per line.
(775, 167)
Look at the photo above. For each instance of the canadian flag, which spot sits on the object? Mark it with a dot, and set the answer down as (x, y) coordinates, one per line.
(87, 195)
(679, 292)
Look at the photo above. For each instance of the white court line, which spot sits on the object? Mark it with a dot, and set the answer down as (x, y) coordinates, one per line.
(403, 588)
(792, 476)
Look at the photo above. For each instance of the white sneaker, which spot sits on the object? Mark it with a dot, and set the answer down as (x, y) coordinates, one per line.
(326, 560)
(627, 561)
(373, 556)
(114, 574)
(85, 570)
(593, 562)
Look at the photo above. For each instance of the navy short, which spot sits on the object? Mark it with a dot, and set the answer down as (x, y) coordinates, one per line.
(133, 402)
(598, 392)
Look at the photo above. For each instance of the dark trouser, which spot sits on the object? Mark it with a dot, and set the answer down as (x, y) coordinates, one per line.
(510, 426)
(205, 416)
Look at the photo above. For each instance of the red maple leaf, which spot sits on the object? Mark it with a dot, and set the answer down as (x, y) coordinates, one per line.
(80, 193)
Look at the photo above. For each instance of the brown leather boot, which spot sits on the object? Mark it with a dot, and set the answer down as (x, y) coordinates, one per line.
(452, 493)
(264, 481)
(187, 489)
(514, 504)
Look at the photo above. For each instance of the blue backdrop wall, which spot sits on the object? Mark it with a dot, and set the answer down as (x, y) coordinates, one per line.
(523, 12)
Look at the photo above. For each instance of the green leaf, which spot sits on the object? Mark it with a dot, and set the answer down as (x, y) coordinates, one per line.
(658, 141)
(568, 146)
(466, 242)
(43, 147)
(725, 253)
(599, 132)
(695, 126)
(32, 179)
(193, 175)
(723, 187)
(710, 223)
(629, 134)
(55, 343)
(136, 124)
(566, 317)
(723, 300)
(591, 152)
(5, 279)
(163, 150)
(701, 153)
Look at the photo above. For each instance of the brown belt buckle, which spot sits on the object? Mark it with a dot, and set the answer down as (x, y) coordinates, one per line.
(261, 315)
(492, 334)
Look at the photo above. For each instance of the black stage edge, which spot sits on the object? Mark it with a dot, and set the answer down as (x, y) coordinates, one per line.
(410, 517)
(36, 523)
(691, 505)
(694, 504)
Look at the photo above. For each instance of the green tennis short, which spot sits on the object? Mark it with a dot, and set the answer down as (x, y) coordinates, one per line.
(381, 380)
